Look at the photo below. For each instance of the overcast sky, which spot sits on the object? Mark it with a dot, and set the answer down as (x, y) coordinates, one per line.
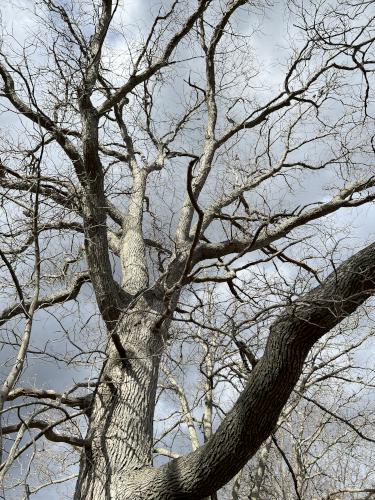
(47, 329)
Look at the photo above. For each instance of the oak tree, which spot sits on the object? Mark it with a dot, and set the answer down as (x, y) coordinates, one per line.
(148, 154)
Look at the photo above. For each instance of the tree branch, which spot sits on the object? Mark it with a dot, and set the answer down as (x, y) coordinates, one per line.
(82, 402)
(47, 301)
(135, 79)
(264, 236)
(254, 415)
(47, 431)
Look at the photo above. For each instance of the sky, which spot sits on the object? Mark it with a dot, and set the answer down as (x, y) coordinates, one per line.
(267, 47)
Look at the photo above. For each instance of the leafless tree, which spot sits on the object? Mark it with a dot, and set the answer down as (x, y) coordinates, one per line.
(322, 445)
(144, 161)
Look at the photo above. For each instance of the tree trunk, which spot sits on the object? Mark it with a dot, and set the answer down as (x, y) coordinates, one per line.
(121, 424)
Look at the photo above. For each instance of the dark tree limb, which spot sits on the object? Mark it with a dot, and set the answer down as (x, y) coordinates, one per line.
(254, 415)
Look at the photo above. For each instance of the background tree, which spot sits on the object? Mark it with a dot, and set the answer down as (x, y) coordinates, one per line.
(323, 442)
(140, 166)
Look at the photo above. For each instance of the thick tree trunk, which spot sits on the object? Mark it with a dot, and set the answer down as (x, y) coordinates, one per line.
(117, 464)
(121, 425)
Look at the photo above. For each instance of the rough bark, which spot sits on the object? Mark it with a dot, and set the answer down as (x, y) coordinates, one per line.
(252, 418)
(133, 260)
(121, 425)
(116, 462)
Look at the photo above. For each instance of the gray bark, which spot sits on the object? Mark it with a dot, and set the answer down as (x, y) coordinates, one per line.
(118, 463)
(121, 425)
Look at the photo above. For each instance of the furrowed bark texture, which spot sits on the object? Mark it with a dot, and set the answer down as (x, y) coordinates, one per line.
(121, 425)
(119, 463)
(133, 260)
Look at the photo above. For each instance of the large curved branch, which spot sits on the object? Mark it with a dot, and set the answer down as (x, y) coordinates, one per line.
(264, 236)
(254, 416)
